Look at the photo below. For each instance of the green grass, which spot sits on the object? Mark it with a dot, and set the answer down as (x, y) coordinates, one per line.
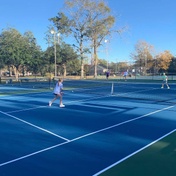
(157, 160)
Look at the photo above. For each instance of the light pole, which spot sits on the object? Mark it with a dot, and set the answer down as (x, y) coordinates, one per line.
(53, 32)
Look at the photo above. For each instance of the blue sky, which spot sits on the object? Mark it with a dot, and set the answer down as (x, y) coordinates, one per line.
(153, 21)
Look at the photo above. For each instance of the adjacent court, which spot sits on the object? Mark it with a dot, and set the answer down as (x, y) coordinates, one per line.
(104, 124)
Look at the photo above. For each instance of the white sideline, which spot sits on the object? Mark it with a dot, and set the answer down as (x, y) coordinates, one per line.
(123, 159)
(35, 126)
(75, 139)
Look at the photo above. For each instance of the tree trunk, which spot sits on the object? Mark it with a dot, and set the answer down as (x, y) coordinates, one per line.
(95, 59)
(82, 59)
(95, 66)
(82, 69)
(16, 72)
(65, 70)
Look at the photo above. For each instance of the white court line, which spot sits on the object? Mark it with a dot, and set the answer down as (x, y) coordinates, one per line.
(31, 154)
(132, 154)
(21, 110)
(89, 134)
(122, 123)
(82, 100)
(42, 129)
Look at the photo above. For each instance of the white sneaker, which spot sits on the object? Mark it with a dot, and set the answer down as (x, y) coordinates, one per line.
(161, 87)
(168, 87)
(50, 103)
(62, 106)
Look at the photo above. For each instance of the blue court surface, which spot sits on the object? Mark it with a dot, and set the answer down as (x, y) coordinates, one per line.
(96, 129)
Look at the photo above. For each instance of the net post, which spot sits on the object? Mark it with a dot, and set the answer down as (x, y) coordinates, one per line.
(112, 89)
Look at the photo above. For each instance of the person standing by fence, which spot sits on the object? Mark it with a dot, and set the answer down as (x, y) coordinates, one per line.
(107, 74)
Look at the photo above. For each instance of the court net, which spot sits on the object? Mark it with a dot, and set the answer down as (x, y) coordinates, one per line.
(25, 85)
(127, 90)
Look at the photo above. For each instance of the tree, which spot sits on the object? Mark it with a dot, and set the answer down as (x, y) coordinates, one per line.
(122, 66)
(143, 56)
(163, 60)
(75, 27)
(66, 54)
(33, 62)
(20, 53)
(100, 24)
(87, 20)
(12, 49)
(102, 62)
(73, 67)
(49, 58)
(172, 66)
(2, 65)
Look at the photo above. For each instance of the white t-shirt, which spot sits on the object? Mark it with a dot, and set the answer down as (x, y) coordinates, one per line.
(58, 88)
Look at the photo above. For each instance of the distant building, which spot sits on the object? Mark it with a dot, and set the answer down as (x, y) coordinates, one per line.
(100, 70)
